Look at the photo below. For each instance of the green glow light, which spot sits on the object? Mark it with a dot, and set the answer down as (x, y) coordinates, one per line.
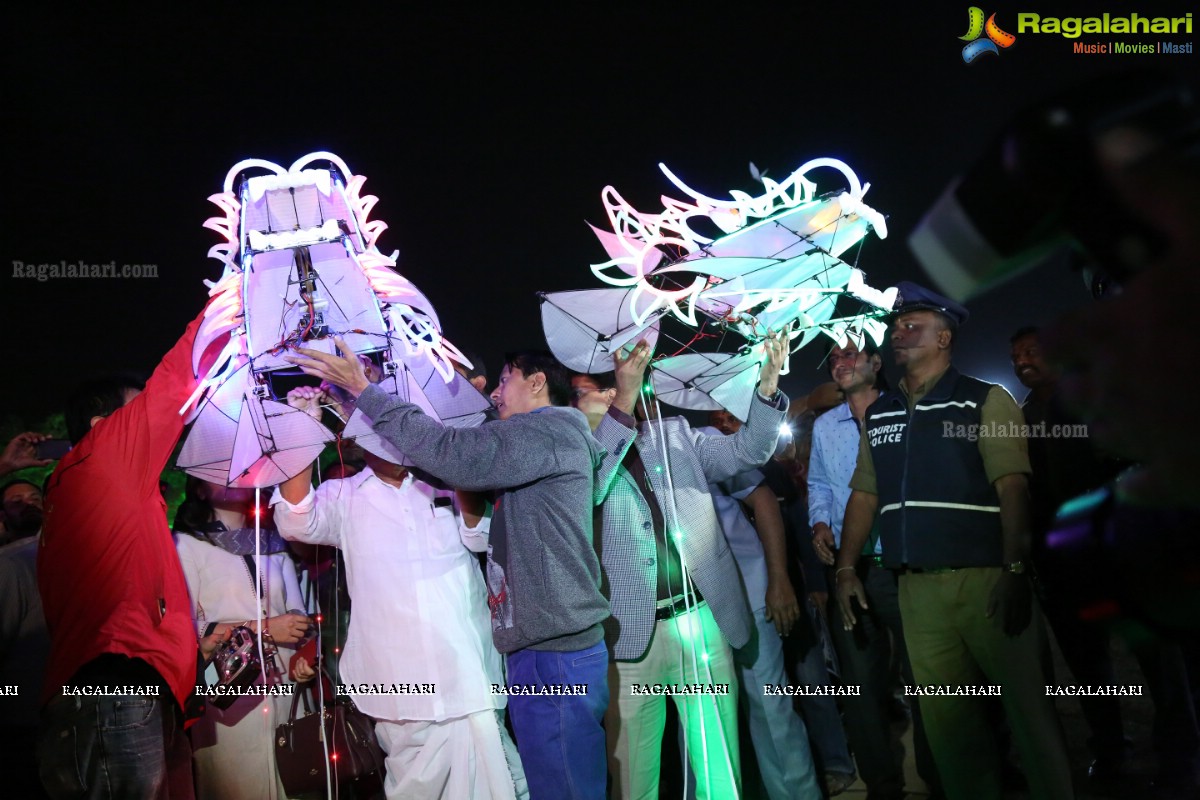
(687, 627)
(1084, 504)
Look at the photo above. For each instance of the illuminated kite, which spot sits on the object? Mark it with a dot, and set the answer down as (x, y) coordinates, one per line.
(301, 266)
(767, 263)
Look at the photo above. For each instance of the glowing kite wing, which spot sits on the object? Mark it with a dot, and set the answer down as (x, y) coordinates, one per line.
(709, 381)
(301, 266)
(774, 265)
(585, 328)
(241, 440)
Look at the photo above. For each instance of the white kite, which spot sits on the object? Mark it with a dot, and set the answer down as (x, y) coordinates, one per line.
(744, 266)
(301, 266)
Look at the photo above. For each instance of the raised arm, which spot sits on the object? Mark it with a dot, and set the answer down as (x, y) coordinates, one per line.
(315, 518)
(473, 507)
(618, 429)
(497, 455)
(301, 515)
(307, 399)
(474, 520)
(142, 434)
(21, 452)
(616, 435)
(722, 457)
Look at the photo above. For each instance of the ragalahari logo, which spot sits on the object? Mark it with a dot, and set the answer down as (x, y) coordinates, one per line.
(976, 27)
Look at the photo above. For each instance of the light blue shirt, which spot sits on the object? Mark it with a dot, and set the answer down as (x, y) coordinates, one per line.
(739, 532)
(830, 466)
(742, 536)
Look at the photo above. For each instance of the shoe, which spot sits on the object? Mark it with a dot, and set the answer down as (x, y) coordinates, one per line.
(838, 782)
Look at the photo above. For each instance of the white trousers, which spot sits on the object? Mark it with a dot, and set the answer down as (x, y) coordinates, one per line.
(635, 721)
(467, 758)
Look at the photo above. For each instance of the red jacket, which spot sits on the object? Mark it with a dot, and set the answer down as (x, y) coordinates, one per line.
(108, 571)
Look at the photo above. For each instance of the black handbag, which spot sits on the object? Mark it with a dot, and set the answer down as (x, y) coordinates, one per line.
(300, 743)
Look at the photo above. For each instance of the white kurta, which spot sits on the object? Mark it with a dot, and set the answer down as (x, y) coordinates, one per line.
(234, 749)
(420, 612)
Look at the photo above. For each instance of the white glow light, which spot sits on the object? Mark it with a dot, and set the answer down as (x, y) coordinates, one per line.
(776, 266)
(301, 206)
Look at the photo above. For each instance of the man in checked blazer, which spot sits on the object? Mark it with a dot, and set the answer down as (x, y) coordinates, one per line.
(677, 598)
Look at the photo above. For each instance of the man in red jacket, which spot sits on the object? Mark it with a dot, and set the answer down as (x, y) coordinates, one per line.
(122, 643)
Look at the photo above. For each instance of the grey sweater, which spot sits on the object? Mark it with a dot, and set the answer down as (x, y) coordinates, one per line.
(543, 574)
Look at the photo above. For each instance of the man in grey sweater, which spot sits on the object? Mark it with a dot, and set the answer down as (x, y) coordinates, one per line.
(543, 573)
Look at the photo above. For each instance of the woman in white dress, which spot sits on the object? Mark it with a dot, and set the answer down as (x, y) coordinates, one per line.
(234, 750)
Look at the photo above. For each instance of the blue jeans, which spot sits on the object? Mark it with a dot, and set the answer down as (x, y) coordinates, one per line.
(561, 737)
(105, 747)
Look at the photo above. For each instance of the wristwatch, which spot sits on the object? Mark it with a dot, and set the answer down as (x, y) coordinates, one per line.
(1016, 567)
(773, 399)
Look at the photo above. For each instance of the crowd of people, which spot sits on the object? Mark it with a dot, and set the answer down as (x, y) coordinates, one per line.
(529, 595)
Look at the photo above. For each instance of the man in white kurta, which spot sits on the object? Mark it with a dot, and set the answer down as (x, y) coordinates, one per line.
(419, 655)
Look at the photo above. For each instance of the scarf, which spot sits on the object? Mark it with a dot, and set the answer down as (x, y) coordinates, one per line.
(240, 541)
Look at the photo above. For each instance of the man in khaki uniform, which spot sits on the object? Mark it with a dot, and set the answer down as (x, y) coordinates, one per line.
(943, 461)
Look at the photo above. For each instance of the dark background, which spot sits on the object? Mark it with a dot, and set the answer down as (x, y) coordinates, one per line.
(488, 138)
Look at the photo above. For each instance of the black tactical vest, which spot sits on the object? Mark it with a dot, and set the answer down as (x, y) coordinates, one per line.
(936, 505)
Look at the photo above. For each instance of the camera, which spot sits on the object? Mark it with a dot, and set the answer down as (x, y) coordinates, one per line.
(1041, 186)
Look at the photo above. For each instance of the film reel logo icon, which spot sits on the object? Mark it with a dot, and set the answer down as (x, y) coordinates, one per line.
(983, 37)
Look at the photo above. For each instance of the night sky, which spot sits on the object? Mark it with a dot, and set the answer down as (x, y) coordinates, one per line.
(488, 140)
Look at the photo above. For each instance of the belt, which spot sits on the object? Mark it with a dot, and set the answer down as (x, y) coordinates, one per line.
(906, 570)
(871, 560)
(668, 609)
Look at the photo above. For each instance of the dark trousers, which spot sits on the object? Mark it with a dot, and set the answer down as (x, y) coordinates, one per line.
(1085, 648)
(18, 762)
(866, 654)
(124, 746)
(1175, 734)
(952, 642)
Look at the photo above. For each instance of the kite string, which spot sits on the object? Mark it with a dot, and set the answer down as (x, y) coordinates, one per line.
(694, 626)
(688, 345)
(671, 513)
(331, 788)
(261, 624)
(683, 708)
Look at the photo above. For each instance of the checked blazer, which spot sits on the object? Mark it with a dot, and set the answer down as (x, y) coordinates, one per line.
(628, 556)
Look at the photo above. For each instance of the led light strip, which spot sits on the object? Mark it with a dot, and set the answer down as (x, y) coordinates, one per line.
(409, 314)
